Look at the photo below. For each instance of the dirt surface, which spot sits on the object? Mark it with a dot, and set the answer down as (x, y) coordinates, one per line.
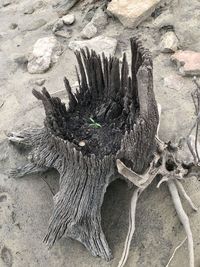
(26, 204)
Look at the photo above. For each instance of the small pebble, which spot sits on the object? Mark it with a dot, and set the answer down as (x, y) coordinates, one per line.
(81, 143)
(68, 19)
(13, 26)
(29, 10)
(40, 82)
(169, 42)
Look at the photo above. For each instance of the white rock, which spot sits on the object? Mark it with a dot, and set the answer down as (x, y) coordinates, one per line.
(132, 12)
(46, 51)
(169, 42)
(68, 19)
(100, 44)
(89, 31)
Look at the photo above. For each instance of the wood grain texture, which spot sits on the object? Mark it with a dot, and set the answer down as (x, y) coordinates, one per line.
(124, 106)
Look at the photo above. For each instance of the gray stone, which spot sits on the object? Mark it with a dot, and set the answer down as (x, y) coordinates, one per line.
(89, 14)
(100, 19)
(46, 51)
(58, 25)
(131, 13)
(34, 25)
(169, 42)
(63, 34)
(39, 4)
(50, 25)
(13, 26)
(29, 10)
(89, 31)
(100, 44)
(68, 19)
(6, 3)
(39, 81)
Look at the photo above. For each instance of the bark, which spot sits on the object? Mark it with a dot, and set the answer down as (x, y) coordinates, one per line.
(126, 111)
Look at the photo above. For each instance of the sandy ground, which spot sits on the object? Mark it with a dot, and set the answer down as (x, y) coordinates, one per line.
(26, 204)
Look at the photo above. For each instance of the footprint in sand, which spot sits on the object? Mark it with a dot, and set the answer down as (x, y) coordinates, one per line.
(6, 218)
(3, 197)
(6, 209)
(6, 256)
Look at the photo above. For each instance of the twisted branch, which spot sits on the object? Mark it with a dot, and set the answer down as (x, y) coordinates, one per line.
(183, 218)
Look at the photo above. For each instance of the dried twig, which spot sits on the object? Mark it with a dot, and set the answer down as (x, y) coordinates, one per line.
(1, 105)
(173, 254)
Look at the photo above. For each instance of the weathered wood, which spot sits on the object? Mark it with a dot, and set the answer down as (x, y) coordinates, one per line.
(125, 113)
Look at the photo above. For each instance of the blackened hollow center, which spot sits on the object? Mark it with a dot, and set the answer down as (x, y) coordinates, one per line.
(98, 129)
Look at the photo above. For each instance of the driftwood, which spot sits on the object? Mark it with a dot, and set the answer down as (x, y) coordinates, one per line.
(112, 116)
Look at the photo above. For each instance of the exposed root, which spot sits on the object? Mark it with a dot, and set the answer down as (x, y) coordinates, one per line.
(183, 193)
(171, 171)
(173, 254)
(159, 113)
(189, 142)
(136, 179)
(143, 182)
(131, 228)
(164, 179)
(183, 218)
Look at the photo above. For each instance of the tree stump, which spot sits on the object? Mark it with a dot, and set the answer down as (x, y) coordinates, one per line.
(112, 115)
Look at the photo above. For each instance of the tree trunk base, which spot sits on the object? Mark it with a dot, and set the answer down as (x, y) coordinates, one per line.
(112, 116)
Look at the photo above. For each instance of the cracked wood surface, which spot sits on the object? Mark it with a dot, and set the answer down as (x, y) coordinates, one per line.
(125, 106)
